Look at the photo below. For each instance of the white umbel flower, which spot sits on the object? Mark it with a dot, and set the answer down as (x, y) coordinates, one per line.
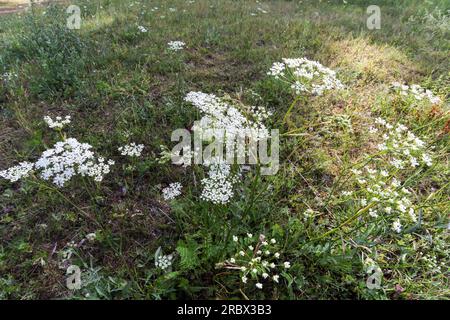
(417, 92)
(218, 186)
(172, 191)
(142, 29)
(68, 158)
(131, 150)
(176, 45)
(225, 118)
(58, 123)
(91, 236)
(13, 174)
(164, 262)
(305, 76)
(397, 226)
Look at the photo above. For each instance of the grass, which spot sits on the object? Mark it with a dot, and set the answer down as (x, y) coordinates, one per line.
(120, 85)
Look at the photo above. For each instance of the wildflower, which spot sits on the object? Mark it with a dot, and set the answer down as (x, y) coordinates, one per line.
(132, 150)
(242, 253)
(244, 279)
(384, 173)
(176, 45)
(412, 215)
(68, 158)
(58, 123)
(259, 285)
(142, 29)
(417, 92)
(277, 255)
(91, 236)
(172, 191)
(218, 186)
(273, 241)
(397, 163)
(373, 130)
(413, 162)
(163, 262)
(287, 265)
(305, 76)
(250, 247)
(235, 238)
(397, 226)
(426, 158)
(265, 275)
(232, 260)
(275, 278)
(222, 117)
(13, 174)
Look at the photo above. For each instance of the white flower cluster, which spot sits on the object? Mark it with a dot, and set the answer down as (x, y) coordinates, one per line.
(257, 259)
(176, 45)
(397, 226)
(91, 237)
(386, 195)
(227, 119)
(142, 29)
(164, 262)
(305, 75)
(58, 123)
(218, 186)
(172, 191)
(68, 158)
(13, 174)
(407, 149)
(131, 150)
(378, 186)
(417, 92)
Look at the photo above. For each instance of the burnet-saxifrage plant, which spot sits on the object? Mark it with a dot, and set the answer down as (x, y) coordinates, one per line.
(305, 76)
(378, 182)
(65, 160)
(258, 260)
(416, 93)
(224, 118)
(380, 193)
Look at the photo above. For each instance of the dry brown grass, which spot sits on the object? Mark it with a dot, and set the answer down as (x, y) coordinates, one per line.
(376, 62)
